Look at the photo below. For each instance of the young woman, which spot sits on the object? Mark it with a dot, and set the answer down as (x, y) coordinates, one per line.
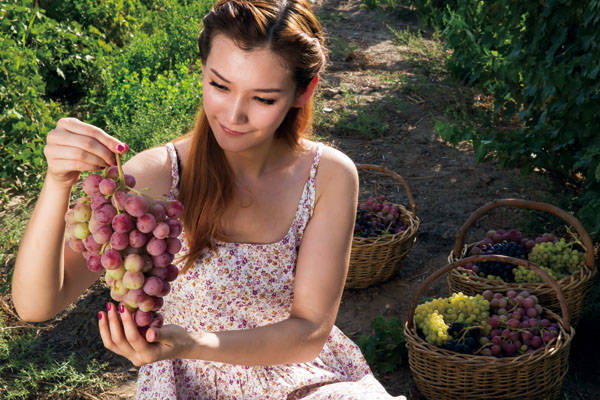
(268, 223)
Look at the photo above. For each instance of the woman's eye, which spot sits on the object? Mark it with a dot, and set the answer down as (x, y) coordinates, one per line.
(224, 88)
(266, 101)
(215, 84)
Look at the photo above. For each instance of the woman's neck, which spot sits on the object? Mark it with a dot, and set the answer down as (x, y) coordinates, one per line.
(254, 164)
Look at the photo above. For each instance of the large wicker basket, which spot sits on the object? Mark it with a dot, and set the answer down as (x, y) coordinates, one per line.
(441, 374)
(575, 287)
(375, 259)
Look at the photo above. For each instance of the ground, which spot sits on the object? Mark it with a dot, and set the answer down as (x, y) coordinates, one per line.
(379, 99)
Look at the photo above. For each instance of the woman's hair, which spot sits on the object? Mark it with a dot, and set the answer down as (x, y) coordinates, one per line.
(289, 29)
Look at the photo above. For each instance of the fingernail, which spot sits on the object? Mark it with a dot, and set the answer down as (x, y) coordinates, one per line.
(120, 148)
(126, 147)
(108, 306)
(121, 308)
(99, 315)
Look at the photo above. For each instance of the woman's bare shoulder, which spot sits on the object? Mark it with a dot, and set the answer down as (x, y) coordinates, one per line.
(333, 163)
(335, 168)
(152, 171)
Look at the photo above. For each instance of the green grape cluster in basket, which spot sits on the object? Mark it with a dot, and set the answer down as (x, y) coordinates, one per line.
(378, 217)
(557, 257)
(491, 324)
(438, 318)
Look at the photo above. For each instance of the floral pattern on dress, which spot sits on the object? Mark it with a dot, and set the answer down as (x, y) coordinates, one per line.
(244, 286)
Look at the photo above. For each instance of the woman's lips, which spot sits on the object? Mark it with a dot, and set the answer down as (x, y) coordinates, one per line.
(230, 132)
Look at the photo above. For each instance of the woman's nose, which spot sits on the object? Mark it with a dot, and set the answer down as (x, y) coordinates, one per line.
(238, 114)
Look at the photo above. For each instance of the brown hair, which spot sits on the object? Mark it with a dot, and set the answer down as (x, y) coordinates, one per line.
(289, 29)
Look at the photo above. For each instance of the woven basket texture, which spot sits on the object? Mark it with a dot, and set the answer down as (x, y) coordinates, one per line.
(441, 374)
(375, 259)
(575, 287)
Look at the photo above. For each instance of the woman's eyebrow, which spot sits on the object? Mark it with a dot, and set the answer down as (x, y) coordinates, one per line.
(256, 90)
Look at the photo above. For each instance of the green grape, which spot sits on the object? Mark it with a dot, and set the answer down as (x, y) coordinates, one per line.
(435, 316)
(558, 259)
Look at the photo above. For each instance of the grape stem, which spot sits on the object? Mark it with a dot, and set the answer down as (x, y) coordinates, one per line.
(103, 247)
(120, 168)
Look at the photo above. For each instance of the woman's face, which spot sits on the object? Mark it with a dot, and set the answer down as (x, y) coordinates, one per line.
(247, 94)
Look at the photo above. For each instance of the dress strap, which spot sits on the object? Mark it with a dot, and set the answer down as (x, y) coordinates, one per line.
(175, 170)
(313, 175)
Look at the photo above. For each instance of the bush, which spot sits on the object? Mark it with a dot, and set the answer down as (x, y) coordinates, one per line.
(145, 112)
(541, 61)
(115, 19)
(168, 36)
(69, 58)
(385, 348)
(25, 117)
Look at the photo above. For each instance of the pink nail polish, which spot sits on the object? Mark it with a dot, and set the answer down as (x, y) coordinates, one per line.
(126, 147)
(121, 308)
(108, 306)
(99, 315)
(120, 148)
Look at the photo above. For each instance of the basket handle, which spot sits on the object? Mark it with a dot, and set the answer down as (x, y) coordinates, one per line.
(531, 205)
(395, 176)
(495, 258)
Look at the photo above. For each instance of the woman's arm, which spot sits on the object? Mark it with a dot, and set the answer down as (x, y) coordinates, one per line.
(321, 271)
(320, 276)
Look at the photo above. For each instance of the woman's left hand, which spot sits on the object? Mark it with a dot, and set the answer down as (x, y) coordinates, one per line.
(120, 335)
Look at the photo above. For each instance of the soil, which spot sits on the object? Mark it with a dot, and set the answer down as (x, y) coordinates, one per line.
(446, 182)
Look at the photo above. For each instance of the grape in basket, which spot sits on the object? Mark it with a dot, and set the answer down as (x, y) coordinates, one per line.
(491, 324)
(557, 257)
(377, 217)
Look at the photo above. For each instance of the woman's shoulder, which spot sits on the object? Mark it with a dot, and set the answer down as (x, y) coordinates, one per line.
(152, 171)
(335, 169)
(333, 162)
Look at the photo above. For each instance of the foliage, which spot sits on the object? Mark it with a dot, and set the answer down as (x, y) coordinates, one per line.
(385, 348)
(168, 36)
(541, 62)
(24, 116)
(115, 19)
(145, 112)
(69, 58)
(28, 368)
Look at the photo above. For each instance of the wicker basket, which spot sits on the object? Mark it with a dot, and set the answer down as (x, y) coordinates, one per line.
(575, 287)
(446, 375)
(375, 259)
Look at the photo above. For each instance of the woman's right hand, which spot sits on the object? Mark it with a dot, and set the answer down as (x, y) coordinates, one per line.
(74, 146)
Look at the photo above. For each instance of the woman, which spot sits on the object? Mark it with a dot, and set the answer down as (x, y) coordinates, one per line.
(268, 225)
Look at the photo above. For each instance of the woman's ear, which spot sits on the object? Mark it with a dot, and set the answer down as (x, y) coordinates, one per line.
(303, 97)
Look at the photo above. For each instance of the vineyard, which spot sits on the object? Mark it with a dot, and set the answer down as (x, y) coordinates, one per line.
(439, 95)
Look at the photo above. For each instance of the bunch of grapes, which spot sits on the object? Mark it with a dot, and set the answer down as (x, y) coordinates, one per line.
(558, 259)
(464, 339)
(377, 217)
(518, 325)
(432, 317)
(132, 237)
(555, 257)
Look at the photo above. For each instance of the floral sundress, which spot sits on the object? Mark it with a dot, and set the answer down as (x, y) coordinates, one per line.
(243, 286)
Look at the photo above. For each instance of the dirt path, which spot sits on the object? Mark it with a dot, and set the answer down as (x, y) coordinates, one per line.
(380, 87)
